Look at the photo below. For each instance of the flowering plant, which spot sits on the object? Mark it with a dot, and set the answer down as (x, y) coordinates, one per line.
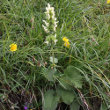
(50, 24)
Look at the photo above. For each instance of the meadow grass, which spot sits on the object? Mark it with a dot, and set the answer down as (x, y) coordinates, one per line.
(86, 23)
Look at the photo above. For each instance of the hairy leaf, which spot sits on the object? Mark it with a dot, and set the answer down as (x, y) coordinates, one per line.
(50, 100)
(65, 95)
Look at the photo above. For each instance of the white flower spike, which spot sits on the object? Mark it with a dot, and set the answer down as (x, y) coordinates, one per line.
(50, 22)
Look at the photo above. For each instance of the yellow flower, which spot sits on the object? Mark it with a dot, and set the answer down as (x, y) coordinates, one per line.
(65, 39)
(108, 1)
(67, 44)
(13, 47)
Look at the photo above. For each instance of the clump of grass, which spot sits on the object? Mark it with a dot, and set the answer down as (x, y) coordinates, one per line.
(36, 74)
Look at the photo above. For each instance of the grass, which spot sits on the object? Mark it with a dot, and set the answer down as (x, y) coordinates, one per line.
(23, 82)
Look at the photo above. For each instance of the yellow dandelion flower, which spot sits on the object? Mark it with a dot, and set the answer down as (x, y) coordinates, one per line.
(67, 44)
(65, 39)
(108, 1)
(13, 47)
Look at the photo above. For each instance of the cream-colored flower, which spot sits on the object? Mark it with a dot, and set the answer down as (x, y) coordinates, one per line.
(46, 23)
(53, 59)
(50, 12)
(45, 29)
(50, 24)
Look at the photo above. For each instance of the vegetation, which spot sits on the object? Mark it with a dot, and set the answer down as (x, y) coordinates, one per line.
(54, 55)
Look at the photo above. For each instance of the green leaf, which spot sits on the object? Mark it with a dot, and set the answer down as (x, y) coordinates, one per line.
(73, 77)
(66, 95)
(49, 73)
(74, 106)
(65, 83)
(50, 100)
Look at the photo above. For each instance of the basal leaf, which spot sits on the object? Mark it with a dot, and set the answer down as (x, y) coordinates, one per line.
(49, 73)
(50, 100)
(74, 106)
(73, 76)
(65, 95)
